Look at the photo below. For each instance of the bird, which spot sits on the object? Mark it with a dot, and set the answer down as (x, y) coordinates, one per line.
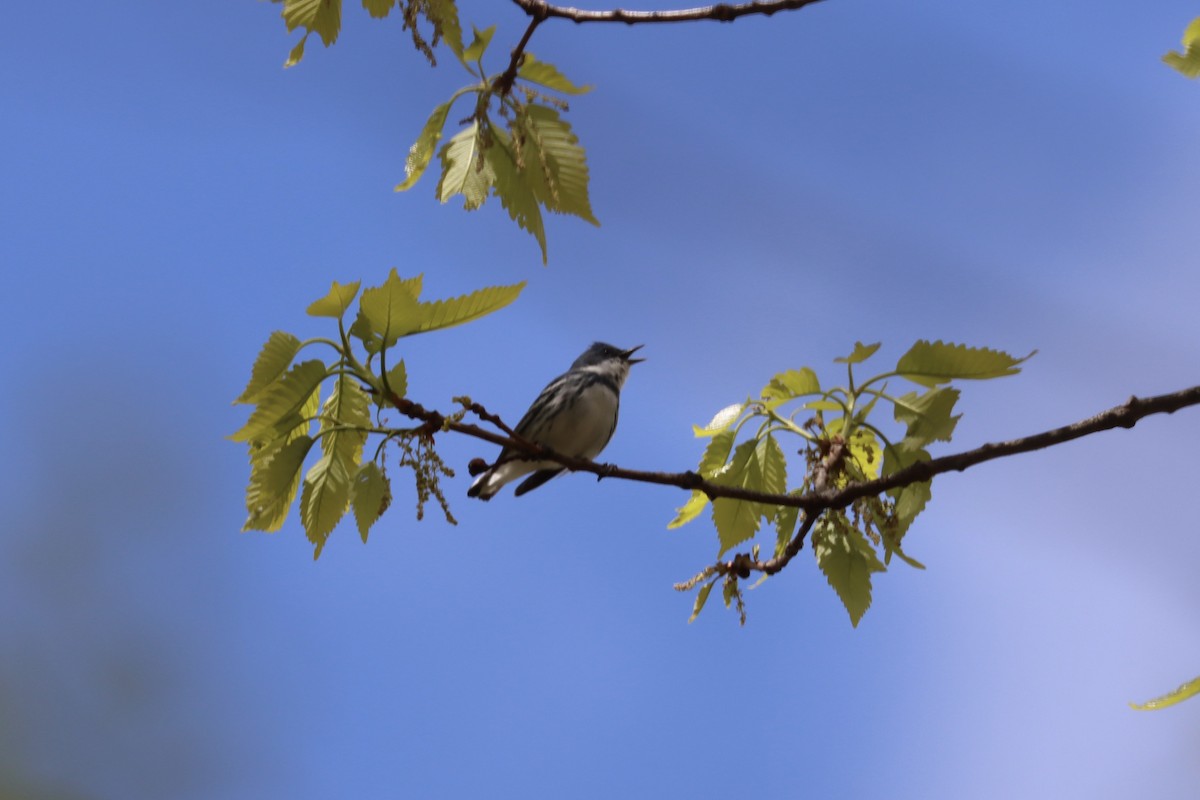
(575, 415)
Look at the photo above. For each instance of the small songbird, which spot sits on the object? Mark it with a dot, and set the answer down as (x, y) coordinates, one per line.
(575, 415)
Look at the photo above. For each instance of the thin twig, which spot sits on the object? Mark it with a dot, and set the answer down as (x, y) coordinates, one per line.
(718, 12)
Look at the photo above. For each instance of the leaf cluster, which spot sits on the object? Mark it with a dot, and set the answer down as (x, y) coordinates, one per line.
(841, 443)
(288, 418)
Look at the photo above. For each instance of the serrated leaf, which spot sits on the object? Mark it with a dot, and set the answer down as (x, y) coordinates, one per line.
(701, 599)
(758, 465)
(324, 500)
(372, 494)
(378, 8)
(273, 360)
(479, 45)
(861, 353)
(389, 311)
(1187, 62)
(553, 164)
(397, 381)
(909, 500)
(720, 421)
(467, 168)
(466, 308)
(545, 74)
(336, 302)
(847, 560)
(786, 518)
(281, 399)
(773, 467)
(933, 363)
(274, 478)
(716, 453)
(927, 416)
(323, 17)
(1189, 689)
(514, 192)
(444, 16)
(791, 384)
(347, 405)
(865, 453)
(424, 147)
(689, 510)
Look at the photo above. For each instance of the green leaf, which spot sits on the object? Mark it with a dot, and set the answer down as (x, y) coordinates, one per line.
(378, 8)
(281, 400)
(861, 353)
(824, 405)
(720, 421)
(785, 526)
(274, 358)
(389, 311)
(758, 465)
(324, 500)
(553, 164)
(847, 559)
(689, 510)
(1189, 689)
(716, 453)
(1187, 62)
(336, 302)
(372, 494)
(909, 500)
(424, 147)
(791, 384)
(323, 17)
(546, 74)
(347, 405)
(466, 308)
(478, 45)
(865, 453)
(397, 381)
(274, 478)
(467, 168)
(296, 54)
(927, 416)
(933, 363)
(701, 599)
(510, 186)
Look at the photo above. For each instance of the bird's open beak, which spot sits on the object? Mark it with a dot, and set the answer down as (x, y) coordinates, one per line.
(626, 355)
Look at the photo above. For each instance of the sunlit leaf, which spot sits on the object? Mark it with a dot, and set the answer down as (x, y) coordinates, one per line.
(444, 16)
(273, 360)
(1189, 689)
(791, 384)
(927, 416)
(865, 452)
(274, 478)
(689, 510)
(720, 421)
(716, 453)
(389, 311)
(933, 363)
(466, 308)
(785, 525)
(324, 499)
(423, 149)
(478, 46)
(546, 74)
(397, 381)
(701, 599)
(1187, 62)
(553, 164)
(861, 353)
(847, 559)
(281, 399)
(372, 494)
(513, 190)
(336, 302)
(347, 405)
(465, 170)
(737, 520)
(378, 8)
(323, 17)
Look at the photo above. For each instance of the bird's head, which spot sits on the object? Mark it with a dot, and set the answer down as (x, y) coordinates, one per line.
(608, 360)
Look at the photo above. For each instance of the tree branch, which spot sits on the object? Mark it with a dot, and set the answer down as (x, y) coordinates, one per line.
(503, 84)
(719, 12)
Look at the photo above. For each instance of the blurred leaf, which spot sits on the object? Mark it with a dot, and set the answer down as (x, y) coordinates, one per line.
(323, 17)
(1189, 689)
(927, 416)
(397, 381)
(701, 599)
(824, 405)
(274, 478)
(791, 384)
(281, 399)
(720, 421)
(910, 500)
(689, 510)
(479, 45)
(861, 353)
(336, 302)
(773, 465)
(378, 8)
(466, 308)
(716, 453)
(847, 559)
(546, 74)
(444, 16)
(372, 494)
(296, 54)
(865, 452)
(785, 525)
(1187, 62)
(930, 364)
(274, 358)
(465, 169)
(424, 147)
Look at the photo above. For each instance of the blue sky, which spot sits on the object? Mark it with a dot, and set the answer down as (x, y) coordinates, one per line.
(1018, 175)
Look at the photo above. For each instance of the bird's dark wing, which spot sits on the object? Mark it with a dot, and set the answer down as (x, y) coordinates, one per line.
(537, 479)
